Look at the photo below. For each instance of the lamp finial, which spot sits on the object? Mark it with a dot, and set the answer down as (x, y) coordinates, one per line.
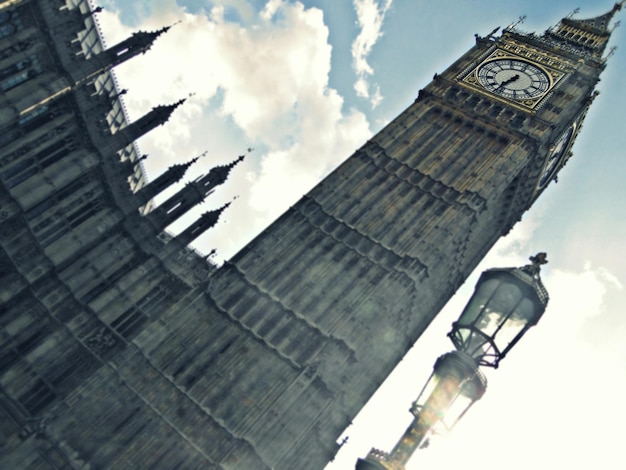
(536, 262)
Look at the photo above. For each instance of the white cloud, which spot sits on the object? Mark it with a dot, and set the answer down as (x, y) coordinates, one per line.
(370, 17)
(266, 80)
(271, 7)
(361, 87)
(323, 141)
(376, 97)
(580, 293)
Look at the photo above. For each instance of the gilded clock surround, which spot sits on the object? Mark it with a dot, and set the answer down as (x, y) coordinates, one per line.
(472, 81)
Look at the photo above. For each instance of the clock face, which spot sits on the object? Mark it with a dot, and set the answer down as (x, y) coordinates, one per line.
(513, 79)
(554, 157)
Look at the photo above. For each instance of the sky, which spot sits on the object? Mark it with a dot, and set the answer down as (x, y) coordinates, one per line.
(304, 84)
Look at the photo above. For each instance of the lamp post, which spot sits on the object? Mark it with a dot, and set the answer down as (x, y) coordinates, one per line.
(505, 304)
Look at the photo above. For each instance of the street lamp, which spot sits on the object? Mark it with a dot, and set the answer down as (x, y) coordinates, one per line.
(505, 304)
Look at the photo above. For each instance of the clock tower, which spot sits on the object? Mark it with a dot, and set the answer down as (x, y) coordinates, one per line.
(348, 278)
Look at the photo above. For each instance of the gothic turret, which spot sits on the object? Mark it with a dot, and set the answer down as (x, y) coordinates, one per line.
(204, 222)
(191, 194)
(172, 175)
(216, 176)
(156, 117)
(587, 36)
(137, 43)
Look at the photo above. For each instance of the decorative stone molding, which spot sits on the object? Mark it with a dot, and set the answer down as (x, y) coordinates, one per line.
(34, 426)
(101, 341)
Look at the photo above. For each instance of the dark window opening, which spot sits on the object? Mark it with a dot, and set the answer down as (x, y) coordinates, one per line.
(38, 397)
(129, 322)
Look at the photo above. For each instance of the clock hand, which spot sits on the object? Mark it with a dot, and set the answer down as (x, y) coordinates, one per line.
(510, 80)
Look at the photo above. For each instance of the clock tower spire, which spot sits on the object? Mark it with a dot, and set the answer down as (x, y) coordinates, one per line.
(589, 36)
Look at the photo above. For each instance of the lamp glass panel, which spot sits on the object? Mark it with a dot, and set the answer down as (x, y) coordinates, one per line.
(456, 410)
(439, 401)
(477, 303)
(427, 390)
(474, 344)
(439, 392)
(502, 302)
(515, 323)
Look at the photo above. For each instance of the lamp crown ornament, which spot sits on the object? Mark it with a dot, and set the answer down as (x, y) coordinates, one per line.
(536, 262)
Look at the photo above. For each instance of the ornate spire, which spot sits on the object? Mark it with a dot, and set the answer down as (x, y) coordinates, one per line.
(212, 217)
(163, 112)
(137, 43)
(216, 176)
(156, 117)
(191, 194)
(170, 176)
(143, 40)
(204, 222)
(178, 170)
(220, 173)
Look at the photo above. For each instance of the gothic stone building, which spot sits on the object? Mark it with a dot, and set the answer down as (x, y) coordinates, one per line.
(120, 347)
